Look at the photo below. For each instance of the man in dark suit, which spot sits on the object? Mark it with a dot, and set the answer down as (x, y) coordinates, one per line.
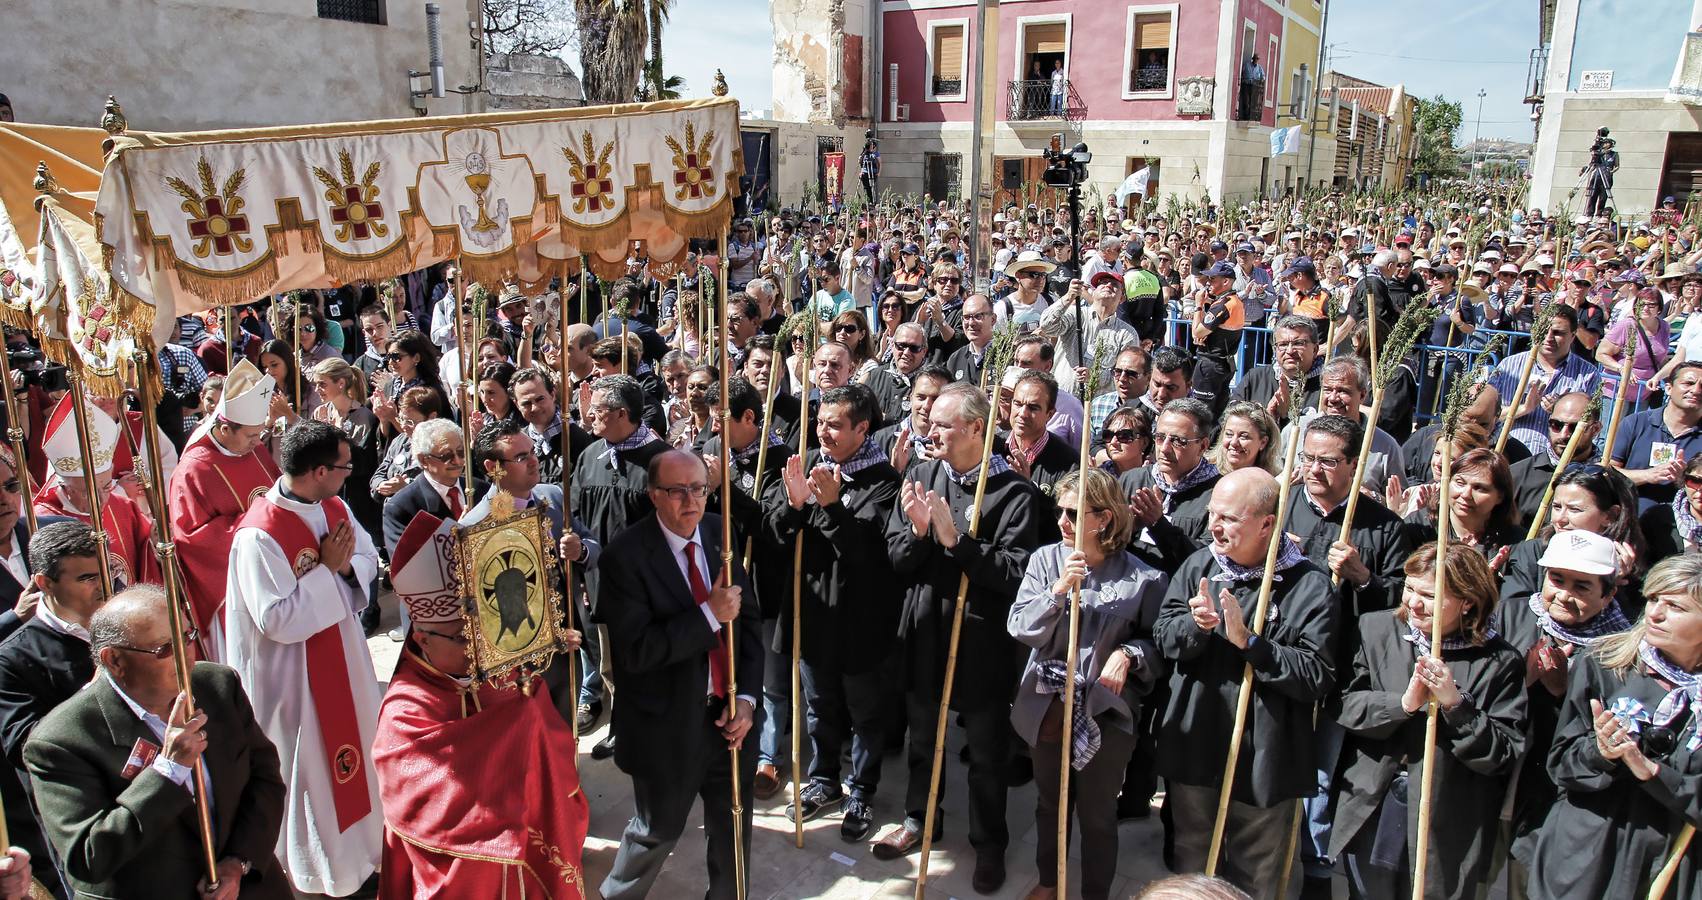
(440, 489)
(14, 549)
(44, 663)
(679, 714)
(113, 770)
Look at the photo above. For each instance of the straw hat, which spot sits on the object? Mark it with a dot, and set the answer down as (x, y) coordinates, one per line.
(1029, 259)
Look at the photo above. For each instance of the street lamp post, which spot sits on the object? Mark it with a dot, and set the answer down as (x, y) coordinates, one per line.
(1479, 135)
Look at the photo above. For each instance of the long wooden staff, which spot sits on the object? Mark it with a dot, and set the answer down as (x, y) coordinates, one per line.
(996, 351)
(1618, 408)
(567, 508)
(1566, 456)
(1244, 698)
(97, 503)
(15, 436)
(1680, 845)
(1539, 330)
(463, 330)
(727, 581)
(1084, 392)
(798, 588)
(146, 372)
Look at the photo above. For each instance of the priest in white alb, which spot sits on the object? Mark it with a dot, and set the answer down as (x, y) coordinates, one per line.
(225, 467)
(299, 573)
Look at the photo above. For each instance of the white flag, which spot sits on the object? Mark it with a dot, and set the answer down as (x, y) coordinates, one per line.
(1285, 140)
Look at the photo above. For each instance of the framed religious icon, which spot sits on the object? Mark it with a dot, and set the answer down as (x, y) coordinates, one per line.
(512, 610)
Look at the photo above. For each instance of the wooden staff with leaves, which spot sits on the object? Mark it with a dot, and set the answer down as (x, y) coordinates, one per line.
(1618, 408)
(811, 321)
(998, 354)
(732, 648)
(1084, 392)
(1539, 333)
(1244, 698)
(1458, 398)
(1592, 414)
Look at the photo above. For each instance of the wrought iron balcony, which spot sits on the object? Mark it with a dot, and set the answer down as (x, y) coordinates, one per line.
(1034, 101)
(947, 87)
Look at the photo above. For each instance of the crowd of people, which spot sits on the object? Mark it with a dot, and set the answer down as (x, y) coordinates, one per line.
(315, 455)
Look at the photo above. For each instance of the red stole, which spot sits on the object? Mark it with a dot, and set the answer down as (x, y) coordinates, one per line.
(327, 665)
(198, 500)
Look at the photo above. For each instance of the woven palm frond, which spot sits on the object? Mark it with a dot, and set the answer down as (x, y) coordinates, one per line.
(1461, 393)
(1414, 323)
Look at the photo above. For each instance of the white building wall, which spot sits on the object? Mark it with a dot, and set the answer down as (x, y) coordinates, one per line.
(183, 65)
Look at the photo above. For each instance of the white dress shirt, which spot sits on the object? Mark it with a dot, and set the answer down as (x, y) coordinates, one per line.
(677, 546)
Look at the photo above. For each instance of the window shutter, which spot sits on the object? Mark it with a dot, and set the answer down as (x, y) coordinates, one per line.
(948, 53)
(1152, 32)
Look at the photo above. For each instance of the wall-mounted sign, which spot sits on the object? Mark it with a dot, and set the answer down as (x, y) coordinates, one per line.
(1596, 80)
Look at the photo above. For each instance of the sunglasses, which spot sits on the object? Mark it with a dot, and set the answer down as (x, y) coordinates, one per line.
(1122, 435)
(1070, 513)
(846, 329)
(1560, 425)
(1125, 373)
(948, 281)
(907, 347)
(892, 305)
(392, 357)
(1027, 275)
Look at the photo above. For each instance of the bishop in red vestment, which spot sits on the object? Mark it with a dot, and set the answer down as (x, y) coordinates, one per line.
(480, 789)
(130, 553)
(223, 469)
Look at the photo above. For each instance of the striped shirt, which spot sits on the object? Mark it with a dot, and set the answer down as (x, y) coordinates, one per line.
(1575, 374)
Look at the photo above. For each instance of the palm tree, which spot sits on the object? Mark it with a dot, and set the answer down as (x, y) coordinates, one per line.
(658, 86)
(613, 34)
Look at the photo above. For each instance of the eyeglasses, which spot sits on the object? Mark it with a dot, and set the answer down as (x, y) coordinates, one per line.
(1560, 425)
(1174, 440)
(1694, 481)
(1327, 463)
(1122, 435)
(948, 281)
(1125, 373)
(520, 457)
(907, 347)
(977, 317)
(452, 638)
(680, 493)
(1299, 344)
(1070, 513)
(1036, 273)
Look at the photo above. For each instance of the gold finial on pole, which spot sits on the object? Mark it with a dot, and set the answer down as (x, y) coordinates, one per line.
(112, 120)
(44, 182)
(720, 88)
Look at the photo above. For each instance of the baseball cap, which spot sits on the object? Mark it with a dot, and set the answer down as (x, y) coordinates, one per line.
(1445, 270)
(1367, 249)
(1218, 245)
(912, 249)
(1220, 270)
(1581, 551)
(1103, 276)
(1244, 247)
(1301, 266)
(1403, 238)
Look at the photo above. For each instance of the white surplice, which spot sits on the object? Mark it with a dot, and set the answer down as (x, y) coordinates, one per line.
(269, 616)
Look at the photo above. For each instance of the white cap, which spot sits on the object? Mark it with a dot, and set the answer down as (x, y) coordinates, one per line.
(64, 450)
(1507, 269)
(1581, 551)
(1544, 260)
(421, 570)
(247, 397)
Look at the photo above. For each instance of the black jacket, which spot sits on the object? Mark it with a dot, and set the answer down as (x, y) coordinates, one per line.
(40, 668)
(417, 497)
(1478, 741)
(989, 660)
(609, 494)
(1294, 667)
(659, 646)
(1260, 383)
(770, 561)
(850, 602)
(1381, 539)
(1181, 531)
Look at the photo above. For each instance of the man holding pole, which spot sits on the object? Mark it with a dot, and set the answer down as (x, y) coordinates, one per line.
(1532, 476)
(299, 576)
(224, 468)
(1204, 628)
(1556, 372)
(932, 551)
(112, 770)
(667, 647)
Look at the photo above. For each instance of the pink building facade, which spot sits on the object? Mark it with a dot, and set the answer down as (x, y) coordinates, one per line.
(1154, 84)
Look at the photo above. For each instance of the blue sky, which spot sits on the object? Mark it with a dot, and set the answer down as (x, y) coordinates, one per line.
(1451, 47)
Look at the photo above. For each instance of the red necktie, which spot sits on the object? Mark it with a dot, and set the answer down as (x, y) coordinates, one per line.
(455, 502)
(700, 594)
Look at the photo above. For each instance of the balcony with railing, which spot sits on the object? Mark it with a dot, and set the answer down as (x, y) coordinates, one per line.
(948, 87)
(1034, 101)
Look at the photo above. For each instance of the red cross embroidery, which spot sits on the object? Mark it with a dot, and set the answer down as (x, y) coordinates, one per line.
(356, 213)
(217, 227)
(693, 176)
(594, 178)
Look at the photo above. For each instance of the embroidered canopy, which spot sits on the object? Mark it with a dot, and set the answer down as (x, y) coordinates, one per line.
(190, 221)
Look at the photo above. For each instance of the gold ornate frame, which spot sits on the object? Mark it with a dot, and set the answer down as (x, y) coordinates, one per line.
(509, 551)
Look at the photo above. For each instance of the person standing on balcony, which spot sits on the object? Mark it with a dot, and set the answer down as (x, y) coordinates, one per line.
(1058, 87)
(1252, 89)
